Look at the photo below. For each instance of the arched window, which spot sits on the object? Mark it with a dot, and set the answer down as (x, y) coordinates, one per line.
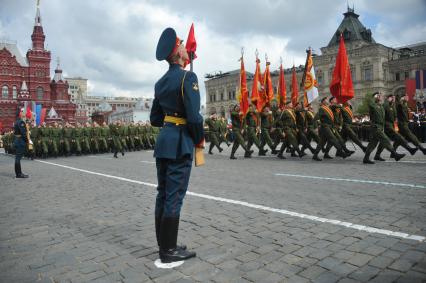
(5, 92)
(14, 92)
(40, 93)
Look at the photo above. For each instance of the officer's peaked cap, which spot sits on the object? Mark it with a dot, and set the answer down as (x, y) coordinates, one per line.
(166, 44)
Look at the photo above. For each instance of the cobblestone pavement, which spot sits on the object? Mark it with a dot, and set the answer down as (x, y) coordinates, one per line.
(65, 225)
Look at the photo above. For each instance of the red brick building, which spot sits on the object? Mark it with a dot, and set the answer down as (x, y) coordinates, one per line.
(28, 79)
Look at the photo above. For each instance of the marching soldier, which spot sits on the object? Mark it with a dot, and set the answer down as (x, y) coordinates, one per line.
(67, 138)
(377, 134)
(77, 138)
(95, 136)
(327, 131)
(104, 138)
(115, 133)
(213, 125)
(45, 136)
(176, 108)
(236, 118)
(266, 122)
(252, 129)
(301, 124)
(347, 131)
(223, 131)
(390, 131)
(402, 113)
(288, 119)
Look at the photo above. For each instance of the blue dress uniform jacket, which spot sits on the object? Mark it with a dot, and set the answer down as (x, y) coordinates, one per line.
(20, 133)
(177, 141)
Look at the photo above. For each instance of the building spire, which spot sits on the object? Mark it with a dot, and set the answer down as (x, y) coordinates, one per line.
(37, 21)
(58, 72)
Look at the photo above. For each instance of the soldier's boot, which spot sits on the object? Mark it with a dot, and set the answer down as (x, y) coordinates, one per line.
(122, 152)
(169, 251)
(281, 156)
(274, 150)
(423, 149)
(232, 156)
(234, 149)
(398, 156)
(316, 157)
(18, 171)
(367, 161)
(220, 149)
(347, 151)
(293, 153)
(248, 153)
(342, 153)
(262, 152)
(115, 154)
(377, 157)
(157, 233)
(211, 148)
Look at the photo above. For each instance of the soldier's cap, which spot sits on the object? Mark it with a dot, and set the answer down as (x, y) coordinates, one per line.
(322, 99)
(167, 44)
(390, 95)
(287, 102)
(376, 94)
(331, 98)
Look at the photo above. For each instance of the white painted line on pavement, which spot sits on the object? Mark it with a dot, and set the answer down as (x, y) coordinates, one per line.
(353, 180)
(100, 157)
(260, 207)
(407, 161)
(149, 162)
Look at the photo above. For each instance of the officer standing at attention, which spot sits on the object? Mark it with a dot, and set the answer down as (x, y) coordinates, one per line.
(176, 108)
(20, 142)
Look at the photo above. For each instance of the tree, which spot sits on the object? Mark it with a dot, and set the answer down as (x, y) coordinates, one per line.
(363, 107)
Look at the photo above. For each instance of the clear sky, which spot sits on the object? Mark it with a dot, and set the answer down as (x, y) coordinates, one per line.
(112, 42)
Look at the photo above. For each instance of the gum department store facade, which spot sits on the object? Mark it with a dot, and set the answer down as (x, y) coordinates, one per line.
(374, 67)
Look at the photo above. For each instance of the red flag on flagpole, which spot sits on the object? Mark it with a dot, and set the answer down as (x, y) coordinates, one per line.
(257, 89)
(191, 43)
(244, 103)
(269, 89)
(295, 88)
(341, 85)
(282, 91)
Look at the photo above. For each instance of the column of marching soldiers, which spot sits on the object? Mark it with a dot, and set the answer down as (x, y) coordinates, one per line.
(58, 139)
(294, 127)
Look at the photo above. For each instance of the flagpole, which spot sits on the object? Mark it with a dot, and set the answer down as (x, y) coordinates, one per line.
(191, 60)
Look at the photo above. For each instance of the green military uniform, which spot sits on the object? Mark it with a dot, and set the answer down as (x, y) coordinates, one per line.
(213, 134)
(115, 133)
(104, 138)
(251, 124)
(390, 119)
(288, 119)
(301, 123)
(402, 113)
(95, 134)
(45, 136)
(266, 122)
(236, 131)
(377, 133)
(132, 135)
(327, 132)
(85, 139)
(337, 126)
(67, 137)
(223, 130)
(312, 126)
(77, 138)
(347, 131)
(35, 137)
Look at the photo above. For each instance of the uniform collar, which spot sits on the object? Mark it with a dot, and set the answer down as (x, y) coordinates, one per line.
(174, 66)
